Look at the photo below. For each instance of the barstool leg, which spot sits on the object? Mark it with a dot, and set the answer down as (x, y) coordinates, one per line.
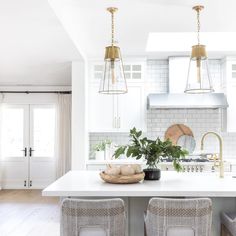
(224, 231)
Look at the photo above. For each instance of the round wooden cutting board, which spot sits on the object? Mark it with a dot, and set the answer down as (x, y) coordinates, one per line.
(175, 131)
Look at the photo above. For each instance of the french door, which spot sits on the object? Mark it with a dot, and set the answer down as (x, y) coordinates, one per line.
(28, 146)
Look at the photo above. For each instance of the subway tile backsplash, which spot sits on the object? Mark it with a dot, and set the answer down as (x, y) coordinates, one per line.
(199, 120)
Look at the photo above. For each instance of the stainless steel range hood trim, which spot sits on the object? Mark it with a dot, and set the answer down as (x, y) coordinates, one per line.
(187, 101)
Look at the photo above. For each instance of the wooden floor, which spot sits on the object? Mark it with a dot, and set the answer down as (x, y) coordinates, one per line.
(26, 212)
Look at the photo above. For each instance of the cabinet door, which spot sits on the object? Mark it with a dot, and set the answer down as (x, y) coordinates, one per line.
(101, 111)
(134, 70)
(230, 81)
(132, 109)
(231, 111)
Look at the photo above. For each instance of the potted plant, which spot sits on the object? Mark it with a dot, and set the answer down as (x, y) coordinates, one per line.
(100, 149)
(153, 151)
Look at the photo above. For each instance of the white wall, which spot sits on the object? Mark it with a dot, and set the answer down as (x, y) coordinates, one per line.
(79, 115)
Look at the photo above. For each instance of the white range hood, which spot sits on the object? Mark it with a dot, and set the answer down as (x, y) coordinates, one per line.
(184, 101)
(176, 98)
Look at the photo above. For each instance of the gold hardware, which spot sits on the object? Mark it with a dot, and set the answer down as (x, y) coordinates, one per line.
(118, 122)
(221, 163)
(112, 10)
(196, 82)
(199, 52)
(115, 122)
(113, 81)
(216, 160)
(198, 9)
(112, 53)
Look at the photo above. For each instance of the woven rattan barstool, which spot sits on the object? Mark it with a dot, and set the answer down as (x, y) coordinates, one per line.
(92, 217)
(178, 217)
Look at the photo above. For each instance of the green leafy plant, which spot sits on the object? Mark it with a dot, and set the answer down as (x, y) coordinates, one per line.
(102, 145)
(153, 151)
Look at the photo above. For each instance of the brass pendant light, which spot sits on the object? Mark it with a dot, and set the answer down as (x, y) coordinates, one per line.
(199, 80)
(113, 81)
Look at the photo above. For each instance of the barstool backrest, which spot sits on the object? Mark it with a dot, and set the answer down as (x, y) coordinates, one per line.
(92, 217)
(178, 217)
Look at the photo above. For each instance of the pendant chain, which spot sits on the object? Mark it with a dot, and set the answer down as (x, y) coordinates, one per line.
(112, 29)
(198, 27)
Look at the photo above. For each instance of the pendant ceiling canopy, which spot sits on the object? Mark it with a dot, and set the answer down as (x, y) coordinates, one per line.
(199, 79)
(113, 81)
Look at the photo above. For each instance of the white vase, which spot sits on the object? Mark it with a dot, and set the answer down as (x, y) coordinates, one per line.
(100, 155)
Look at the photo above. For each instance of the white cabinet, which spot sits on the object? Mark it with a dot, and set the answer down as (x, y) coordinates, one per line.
(117, 113)
(109, 113)
(229, 86)
(134, 71)
(101, 111)
(132, 108)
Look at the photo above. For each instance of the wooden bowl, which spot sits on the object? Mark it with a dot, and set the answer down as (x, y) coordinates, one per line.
(122, 179)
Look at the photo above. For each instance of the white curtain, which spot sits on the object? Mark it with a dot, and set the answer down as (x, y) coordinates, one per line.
(1, 102)
(63, 135)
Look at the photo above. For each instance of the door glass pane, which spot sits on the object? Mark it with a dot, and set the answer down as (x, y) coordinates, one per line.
(12, 132)
(43, 132)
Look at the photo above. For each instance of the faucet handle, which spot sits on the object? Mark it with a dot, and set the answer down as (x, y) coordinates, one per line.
(216, 160)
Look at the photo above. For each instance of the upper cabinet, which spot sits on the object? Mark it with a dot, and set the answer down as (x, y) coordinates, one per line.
(229, 87)
(117, 113)
(134, 71)
(132, 109)
(101, 111)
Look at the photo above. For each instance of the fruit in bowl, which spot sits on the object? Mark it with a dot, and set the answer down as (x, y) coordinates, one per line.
(123, 169)
(114, 170)
(123, 174)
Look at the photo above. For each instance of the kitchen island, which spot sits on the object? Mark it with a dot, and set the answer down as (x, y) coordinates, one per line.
(87, 184)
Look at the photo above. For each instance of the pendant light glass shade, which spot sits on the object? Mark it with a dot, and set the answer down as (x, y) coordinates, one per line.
(199, 79)
(113, 81)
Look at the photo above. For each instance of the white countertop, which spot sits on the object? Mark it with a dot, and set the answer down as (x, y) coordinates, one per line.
(89, 184)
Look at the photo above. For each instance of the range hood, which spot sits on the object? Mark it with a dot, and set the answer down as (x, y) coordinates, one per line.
(190, 101)
(176, 98)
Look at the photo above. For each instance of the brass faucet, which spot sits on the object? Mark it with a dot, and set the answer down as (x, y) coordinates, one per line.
(221, 163)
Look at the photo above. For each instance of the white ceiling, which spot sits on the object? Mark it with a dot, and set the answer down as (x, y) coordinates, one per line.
(88, 23)
(34, 47)
(40, 38)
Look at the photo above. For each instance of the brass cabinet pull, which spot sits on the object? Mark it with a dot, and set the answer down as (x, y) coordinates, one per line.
(118, 122)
